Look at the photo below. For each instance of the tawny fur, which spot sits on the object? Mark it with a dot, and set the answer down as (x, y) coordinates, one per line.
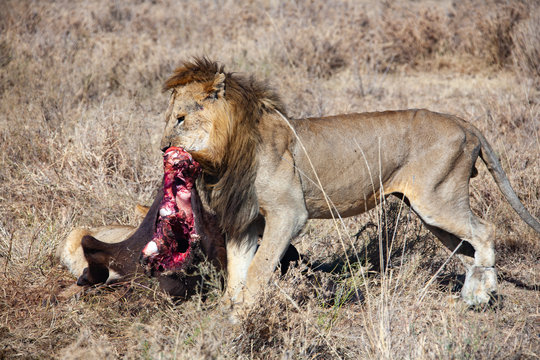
(230, 164)
(264, 172)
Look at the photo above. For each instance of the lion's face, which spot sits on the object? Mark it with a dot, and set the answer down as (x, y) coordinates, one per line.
(192, 109)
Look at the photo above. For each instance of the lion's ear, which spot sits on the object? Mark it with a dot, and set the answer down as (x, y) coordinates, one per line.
(217, 89)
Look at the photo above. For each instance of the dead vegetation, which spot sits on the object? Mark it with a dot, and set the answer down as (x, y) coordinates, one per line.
(81, 116)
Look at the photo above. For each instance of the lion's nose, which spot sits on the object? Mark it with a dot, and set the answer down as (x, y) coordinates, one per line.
(166, 147)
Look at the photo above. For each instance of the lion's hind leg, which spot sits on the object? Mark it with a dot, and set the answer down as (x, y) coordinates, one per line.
(455, 225)
(480, 281)
(454, 244)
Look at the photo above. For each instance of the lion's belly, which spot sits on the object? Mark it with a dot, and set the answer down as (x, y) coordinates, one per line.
(344, 202)
(349, 185)
(318, 209)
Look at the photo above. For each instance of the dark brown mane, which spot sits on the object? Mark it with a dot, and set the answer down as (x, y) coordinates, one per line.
(198, 70)
(241, 90)
(228, 186)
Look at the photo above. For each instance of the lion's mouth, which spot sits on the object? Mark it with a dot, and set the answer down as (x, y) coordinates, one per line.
(171, 247)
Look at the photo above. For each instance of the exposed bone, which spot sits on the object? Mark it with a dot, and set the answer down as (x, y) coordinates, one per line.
(171, 247)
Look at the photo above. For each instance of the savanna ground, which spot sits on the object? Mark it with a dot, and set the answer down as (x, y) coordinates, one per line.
(81, 114)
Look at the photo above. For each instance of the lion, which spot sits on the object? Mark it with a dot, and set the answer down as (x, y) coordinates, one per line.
(265, 172)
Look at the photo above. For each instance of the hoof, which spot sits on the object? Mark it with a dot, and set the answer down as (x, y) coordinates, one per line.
(480, 286)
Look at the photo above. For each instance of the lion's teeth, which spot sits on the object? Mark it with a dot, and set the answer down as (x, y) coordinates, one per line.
(150, 249)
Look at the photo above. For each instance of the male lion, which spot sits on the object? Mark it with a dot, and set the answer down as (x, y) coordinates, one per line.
(264, 171)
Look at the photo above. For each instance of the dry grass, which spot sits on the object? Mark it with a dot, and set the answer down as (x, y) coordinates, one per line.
(80, 120)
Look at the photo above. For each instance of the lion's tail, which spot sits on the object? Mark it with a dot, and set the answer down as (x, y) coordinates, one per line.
(494, 166)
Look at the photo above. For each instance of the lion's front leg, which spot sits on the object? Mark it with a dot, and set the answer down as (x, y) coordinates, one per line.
(281, 202)
(280, 229)
(240, 253)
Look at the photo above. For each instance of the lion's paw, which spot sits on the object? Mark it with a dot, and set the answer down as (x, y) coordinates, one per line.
(480, 286)
(234, 312)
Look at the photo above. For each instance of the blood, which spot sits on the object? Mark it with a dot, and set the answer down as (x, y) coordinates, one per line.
(172, 244)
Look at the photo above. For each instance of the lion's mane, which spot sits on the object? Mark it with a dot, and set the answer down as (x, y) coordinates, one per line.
(229, 170)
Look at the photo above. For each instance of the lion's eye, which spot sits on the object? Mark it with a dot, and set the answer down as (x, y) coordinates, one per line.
(212, 96)
(180, 119)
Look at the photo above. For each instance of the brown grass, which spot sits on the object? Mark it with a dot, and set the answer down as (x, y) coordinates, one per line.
(80, 121)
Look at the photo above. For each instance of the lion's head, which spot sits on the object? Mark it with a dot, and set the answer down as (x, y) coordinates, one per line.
(214, 116)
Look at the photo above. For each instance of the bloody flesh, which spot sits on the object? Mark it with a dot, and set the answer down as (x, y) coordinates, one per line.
(172, 245)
